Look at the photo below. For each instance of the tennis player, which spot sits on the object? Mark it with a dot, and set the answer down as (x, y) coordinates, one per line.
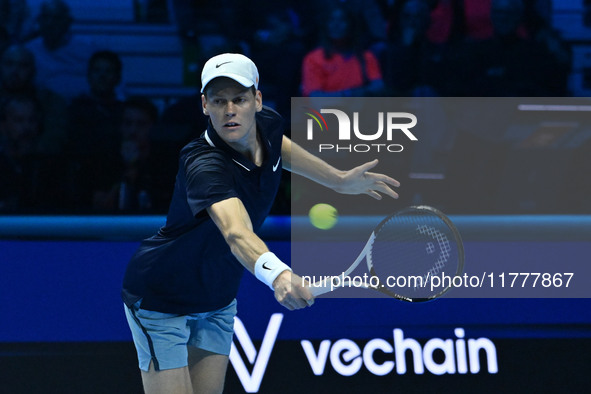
(179, 288)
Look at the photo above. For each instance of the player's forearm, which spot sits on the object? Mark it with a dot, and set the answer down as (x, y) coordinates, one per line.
(253, 254)
(231, 218)
(301, 162)
(246, 246)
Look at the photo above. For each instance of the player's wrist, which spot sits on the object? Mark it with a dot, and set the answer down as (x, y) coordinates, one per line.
(337, 181)
(268, 267)
(282, 278)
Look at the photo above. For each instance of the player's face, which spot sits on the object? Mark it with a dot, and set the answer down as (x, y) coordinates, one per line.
(231, 109)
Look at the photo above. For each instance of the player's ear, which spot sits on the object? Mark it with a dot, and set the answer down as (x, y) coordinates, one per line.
(259, 100)
(204, 105)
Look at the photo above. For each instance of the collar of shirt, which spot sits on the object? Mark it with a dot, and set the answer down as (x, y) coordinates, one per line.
(213, 139)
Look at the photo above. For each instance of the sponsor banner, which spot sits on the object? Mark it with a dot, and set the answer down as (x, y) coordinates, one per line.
(402, 361)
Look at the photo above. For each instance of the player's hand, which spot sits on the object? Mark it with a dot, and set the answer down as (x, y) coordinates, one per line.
(360, 181)
(290, 291)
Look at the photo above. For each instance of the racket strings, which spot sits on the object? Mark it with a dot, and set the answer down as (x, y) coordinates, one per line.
(410, 248)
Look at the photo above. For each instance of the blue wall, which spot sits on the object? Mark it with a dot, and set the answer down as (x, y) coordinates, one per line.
(68, 290)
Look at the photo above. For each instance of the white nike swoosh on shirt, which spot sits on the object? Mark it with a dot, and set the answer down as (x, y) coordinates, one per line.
(276, 166)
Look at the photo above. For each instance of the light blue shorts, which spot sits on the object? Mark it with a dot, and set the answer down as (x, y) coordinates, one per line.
(163, 337)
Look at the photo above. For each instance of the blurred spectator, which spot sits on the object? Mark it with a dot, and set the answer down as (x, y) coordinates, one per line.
(20, 124)
(369, 14)
(478, 19)
(207, 29)
(182, 121)
(134, 181)
(279, 53)
(453, 20)
(4, 39)
(94, 118)
(18, 70)
(538, 26)
(151, 11)
(19, 129)
(14, 19)
(445, 25)
(30, 181)
(61, 56)
(104, 75)
(411, 63)
(204, 17)
(17, 77)
(341, 66)
(510, 64)
(507, 64)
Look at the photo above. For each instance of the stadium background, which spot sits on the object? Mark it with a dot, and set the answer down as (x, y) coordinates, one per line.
(63, 327)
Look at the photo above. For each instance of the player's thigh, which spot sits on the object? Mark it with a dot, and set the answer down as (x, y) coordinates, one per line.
(169, 381)
(207, 370)
(160, 338)
(209, 347)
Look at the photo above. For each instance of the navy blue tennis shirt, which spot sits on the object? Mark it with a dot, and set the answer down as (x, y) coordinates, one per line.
(187, 267)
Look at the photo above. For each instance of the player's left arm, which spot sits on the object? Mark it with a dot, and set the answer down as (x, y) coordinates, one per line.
(358, 180)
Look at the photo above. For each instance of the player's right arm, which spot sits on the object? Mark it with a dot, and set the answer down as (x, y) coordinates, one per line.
(232, 219)
(358, 180)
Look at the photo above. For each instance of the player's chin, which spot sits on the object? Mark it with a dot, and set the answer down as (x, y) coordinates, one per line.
(233, 134)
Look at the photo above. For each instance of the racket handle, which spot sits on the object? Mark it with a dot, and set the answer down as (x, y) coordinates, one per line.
(318, 291)
(322, 288)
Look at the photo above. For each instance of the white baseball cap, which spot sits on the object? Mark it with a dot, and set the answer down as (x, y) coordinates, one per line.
(231, 65)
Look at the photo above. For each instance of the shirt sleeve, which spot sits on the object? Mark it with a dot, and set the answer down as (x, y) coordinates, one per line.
(209, 180)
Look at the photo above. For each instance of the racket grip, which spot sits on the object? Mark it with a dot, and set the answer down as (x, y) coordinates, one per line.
(321, 288)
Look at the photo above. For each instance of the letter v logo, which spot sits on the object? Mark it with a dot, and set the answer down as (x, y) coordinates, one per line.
(252, 382)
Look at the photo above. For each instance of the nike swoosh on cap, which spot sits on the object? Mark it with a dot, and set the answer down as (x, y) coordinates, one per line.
(221, 64)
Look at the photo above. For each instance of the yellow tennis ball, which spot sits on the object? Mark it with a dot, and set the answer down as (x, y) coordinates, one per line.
(323, 216)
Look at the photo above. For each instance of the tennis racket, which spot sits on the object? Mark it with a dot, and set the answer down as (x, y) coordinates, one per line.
(404, 253)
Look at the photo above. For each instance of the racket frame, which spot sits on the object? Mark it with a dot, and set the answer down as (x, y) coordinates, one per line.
(335, 282)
